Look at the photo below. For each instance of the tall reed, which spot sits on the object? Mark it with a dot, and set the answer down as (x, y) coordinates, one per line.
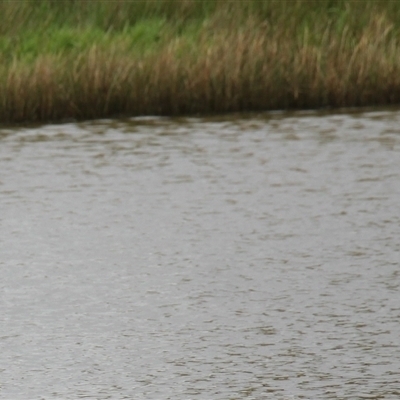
(171, 57)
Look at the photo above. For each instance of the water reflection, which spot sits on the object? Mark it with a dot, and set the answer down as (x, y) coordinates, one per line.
(215, 258)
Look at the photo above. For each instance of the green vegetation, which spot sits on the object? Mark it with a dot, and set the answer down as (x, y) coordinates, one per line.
(97, 58)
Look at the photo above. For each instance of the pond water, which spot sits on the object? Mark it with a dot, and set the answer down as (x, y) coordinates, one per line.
(252, 257)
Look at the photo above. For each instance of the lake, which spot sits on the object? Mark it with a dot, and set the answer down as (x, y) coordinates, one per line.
(239, 257)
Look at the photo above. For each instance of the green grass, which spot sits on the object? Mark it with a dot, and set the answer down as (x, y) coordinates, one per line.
(66, 40)
(29, 28)
(93, 58)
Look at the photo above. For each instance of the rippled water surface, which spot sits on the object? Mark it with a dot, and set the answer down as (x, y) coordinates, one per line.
(216, 259)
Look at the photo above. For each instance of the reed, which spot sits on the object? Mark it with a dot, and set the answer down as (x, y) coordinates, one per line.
(94, 59)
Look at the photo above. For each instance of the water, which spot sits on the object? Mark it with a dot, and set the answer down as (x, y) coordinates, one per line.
(236, 258)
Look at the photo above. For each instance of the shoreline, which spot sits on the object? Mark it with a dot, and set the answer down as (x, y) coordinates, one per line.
(213, 61)
(210, 117)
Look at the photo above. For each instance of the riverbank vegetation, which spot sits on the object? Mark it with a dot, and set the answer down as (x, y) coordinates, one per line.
(82, 59)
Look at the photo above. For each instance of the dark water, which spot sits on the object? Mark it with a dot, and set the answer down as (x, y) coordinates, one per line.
(244, 258)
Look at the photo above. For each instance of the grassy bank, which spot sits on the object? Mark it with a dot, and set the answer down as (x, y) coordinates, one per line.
(92, 59)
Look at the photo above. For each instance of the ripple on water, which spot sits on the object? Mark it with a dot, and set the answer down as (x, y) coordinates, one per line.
(240, 257)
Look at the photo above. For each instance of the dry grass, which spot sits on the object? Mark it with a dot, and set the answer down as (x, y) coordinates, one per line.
(256, 67)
